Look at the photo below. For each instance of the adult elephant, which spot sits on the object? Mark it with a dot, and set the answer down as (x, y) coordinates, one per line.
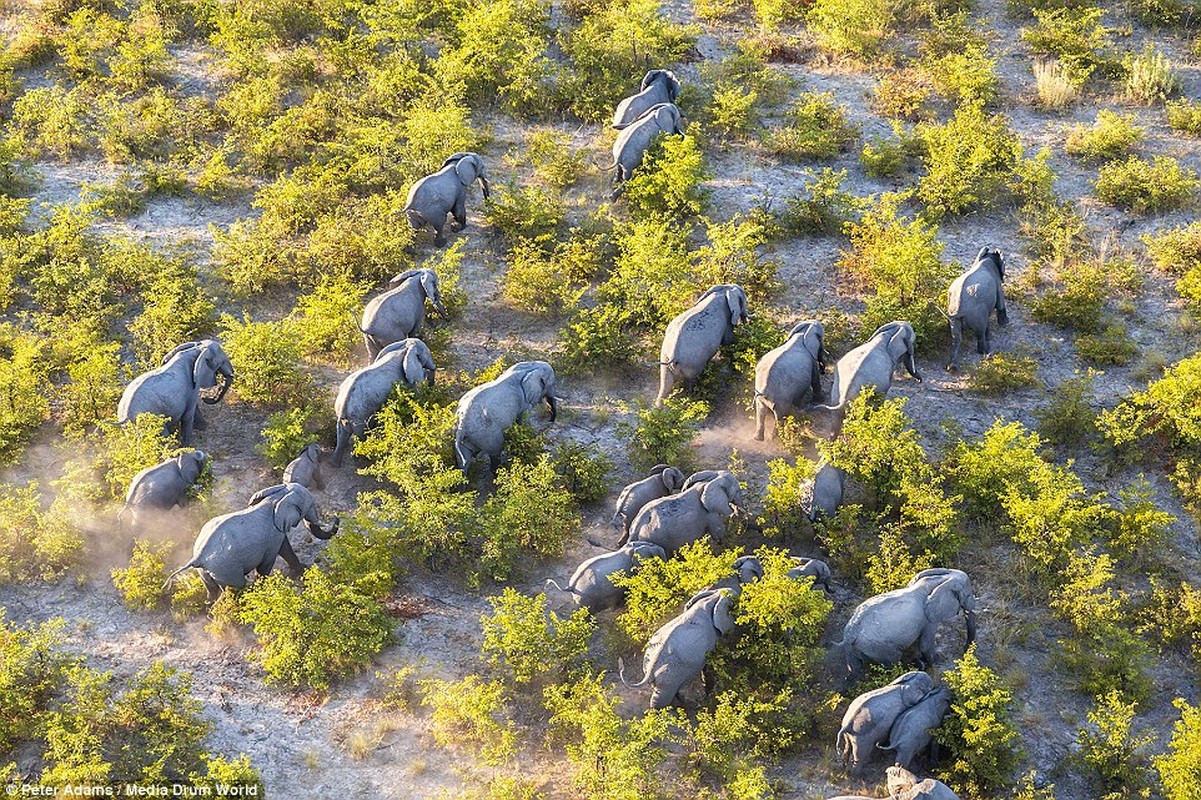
(785, 376)
(305, 469)
(161, 487)
(662, 481)
(871, 715)
(911, 733)
(363, 393)
(174, 389)
(886, 628)
(674, 521)
(658, 86)
(399, 313)
(487, 411)
(871, 364)
(676, 652)
(231, 546)
(971, 299)
(633, 142)
(694, 337)
(445, 192)
(591, 585)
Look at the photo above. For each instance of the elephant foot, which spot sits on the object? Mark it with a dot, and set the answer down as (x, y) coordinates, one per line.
(1002, 319)
(759, 436)
(952, 367)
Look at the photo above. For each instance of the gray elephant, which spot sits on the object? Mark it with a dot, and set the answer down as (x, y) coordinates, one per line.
(591, 586)
(305, 469)
(633, 142)
(786, 375)
(676, 652)
(821, 495)
(747, 569)
(445, 192)
(884, 629)
(364, 392)
(870, 364)
(161, 487)
(871, 715)
(904, 785)
(487, 411)
(174, 389)
(971, 299)
(911, 733)
(811, 568)
(694, 337)
(231, 546)
(661, 482)
(658, 86)
(399, 313)
(680, 519)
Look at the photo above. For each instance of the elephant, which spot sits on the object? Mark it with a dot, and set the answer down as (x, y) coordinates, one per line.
(870, 364)
(162, 486)
(885, 628)
(399, 312)
(910, 733)
(871, 715)
(676, 652)
(703, 476)
(486, 412)
(971, 299)
(173, 390)
(747, 569)
(445, 192)
(230, 546)
(662, 481)
(305, 469)
(904, 785)
(811, 568)
(785, 375)
(590, 585)
(364, 392)
(674, 521)
(658, 86)
(634, 140)
(822, 494)
(694, 337)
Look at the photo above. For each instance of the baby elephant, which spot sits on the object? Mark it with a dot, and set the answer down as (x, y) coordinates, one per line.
(161, 487)
(662, 481)
(590, 585)
(363, 393)
(971, 300)
(870, 717)
(904, 785)
(821, 495)
(445, 192)
(694, 337)
(910, 734)
(679, 519)
(811, 568)
(676, 652)
(305, 469)
(399, 312)
(784, 377)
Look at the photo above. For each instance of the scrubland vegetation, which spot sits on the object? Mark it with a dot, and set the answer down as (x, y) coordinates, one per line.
(177, 169)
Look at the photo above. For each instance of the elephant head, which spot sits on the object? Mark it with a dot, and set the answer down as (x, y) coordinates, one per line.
(916, 685)
(417, 364)
(813, 334)
(994, 256)
(469, 167)
(191, 464)
(667, 78)
(722, 494)
(672, 478)
(291, 504)
(644, 551)
(901, 344)
(704, 476)
(667, 117)
(720, 605)
(748, 568)
(429, 286)
(538, 383)
(211, 364)
(949, 592)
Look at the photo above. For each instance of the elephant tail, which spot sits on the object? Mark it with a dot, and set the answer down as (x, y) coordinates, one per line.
(888, 746)
(171, 578)
(938, 308)
(621, 673)
(568, 589)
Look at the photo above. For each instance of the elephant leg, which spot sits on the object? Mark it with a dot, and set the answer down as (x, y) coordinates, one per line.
(289, 556)
(268, 563)
(439, 236)
(185, 425)
(460, 209)
(926, 645)
(760, 418)
(344, 434)
(211, 586)
(983, 345)
(373, 346)
(956, 343)
(1002, 311)
(667, 380)
(198, 422)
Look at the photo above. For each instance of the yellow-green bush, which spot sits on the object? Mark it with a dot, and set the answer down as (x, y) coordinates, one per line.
(1112, 135)
(1140, 186)
(525, 639)
(816, 128)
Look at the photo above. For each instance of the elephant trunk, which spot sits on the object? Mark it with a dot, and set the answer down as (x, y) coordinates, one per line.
(552, 403)
(225, 378)
(970, 618)
(487, 187)
(320, 533)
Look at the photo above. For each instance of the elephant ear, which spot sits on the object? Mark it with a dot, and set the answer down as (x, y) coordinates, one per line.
(414, 370)
(673, 85)
(947, 599)
(429, 284)
(723, 620)
(468, 168)
(649, 78)
(204, 372)
(983, 254)
(533, 385)
(737, 306)
(672, 479)
(454, 159)
(288, 511)
(715, 497)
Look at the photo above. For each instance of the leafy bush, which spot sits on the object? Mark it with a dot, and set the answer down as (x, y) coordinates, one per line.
(526, 213)
(851, 27)
(1185, 116)
(668, 182)
(817, 128)
(550, 283)
(1112, 346)
(662, 435)
(95, 381)
(123, 451)
(530, 513)
(316, 633)
(782, 513)
(1068, 418)
(824, 207)
(327, 316)
(1003, 373)
(904, 94)
(471, 711)
(35, 668)
(1180, 767)
(1150, 77)
(1107, 747)
(979, 731)
(1074, 36)
(660, 587)
(968, 161)
(1113, 135)
(287, 432)
(555, 163)
(266, 360)
(35, 543)
(652, 278)
(25, 404)
(597, 338)
(583, 469)
(1139, 186)
(525, 639)
(141, 583)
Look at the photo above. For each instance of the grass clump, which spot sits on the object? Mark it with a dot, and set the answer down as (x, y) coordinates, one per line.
(1003, 372)
(1177, 251)
(817, 128)
(1140, 186)
(1055, 86)
(1184, 116)
(823, 209)
(1111, 136)
(1150, 77)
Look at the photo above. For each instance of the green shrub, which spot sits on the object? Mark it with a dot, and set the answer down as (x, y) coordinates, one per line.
(1112, 136)
(141, 583)
(525, 639)
(851, 27)
(782, 512)
(555, 163)
(471, 711)
(969, 161)
(35, 543)
(583, 469)
(733, 255)
(660, 587)
(652, 278)
(596, 338)
(1112, 346)
(968, 76)
(266, 358)
(175, 308)
(824, 208)
(1068, 417)
(316, 633)
(1107, 747)
(95, 381)
(1185, 116)
(550, 283)
(1169, 406)
(817, 128)
(662, 435)
(735, 111)
(1074, 36)
(288, 432)
(24, 406)
(1150, 77)
(526, 213)
(1179, 767)
(668, 182)
(327, 318)
(1139, 186)
(50, 121)
(530, 513)
(904, 94)
(979, 732)
(35, 669)
(727, 740)
(1003, 373)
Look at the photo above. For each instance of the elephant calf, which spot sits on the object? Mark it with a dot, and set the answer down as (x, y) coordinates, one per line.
(231, 546)
(363, 393)
(661, 482)
(870, 717)
(161, 487)
(811, 568)
(694, 337)
(680, 519)
(971, 299)
(910, 733)
(871, 364)
(821, 495)
(305, 469)
(785, 376)
(590, 585)
(676, 652)
(445, 192)
(904, 785)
